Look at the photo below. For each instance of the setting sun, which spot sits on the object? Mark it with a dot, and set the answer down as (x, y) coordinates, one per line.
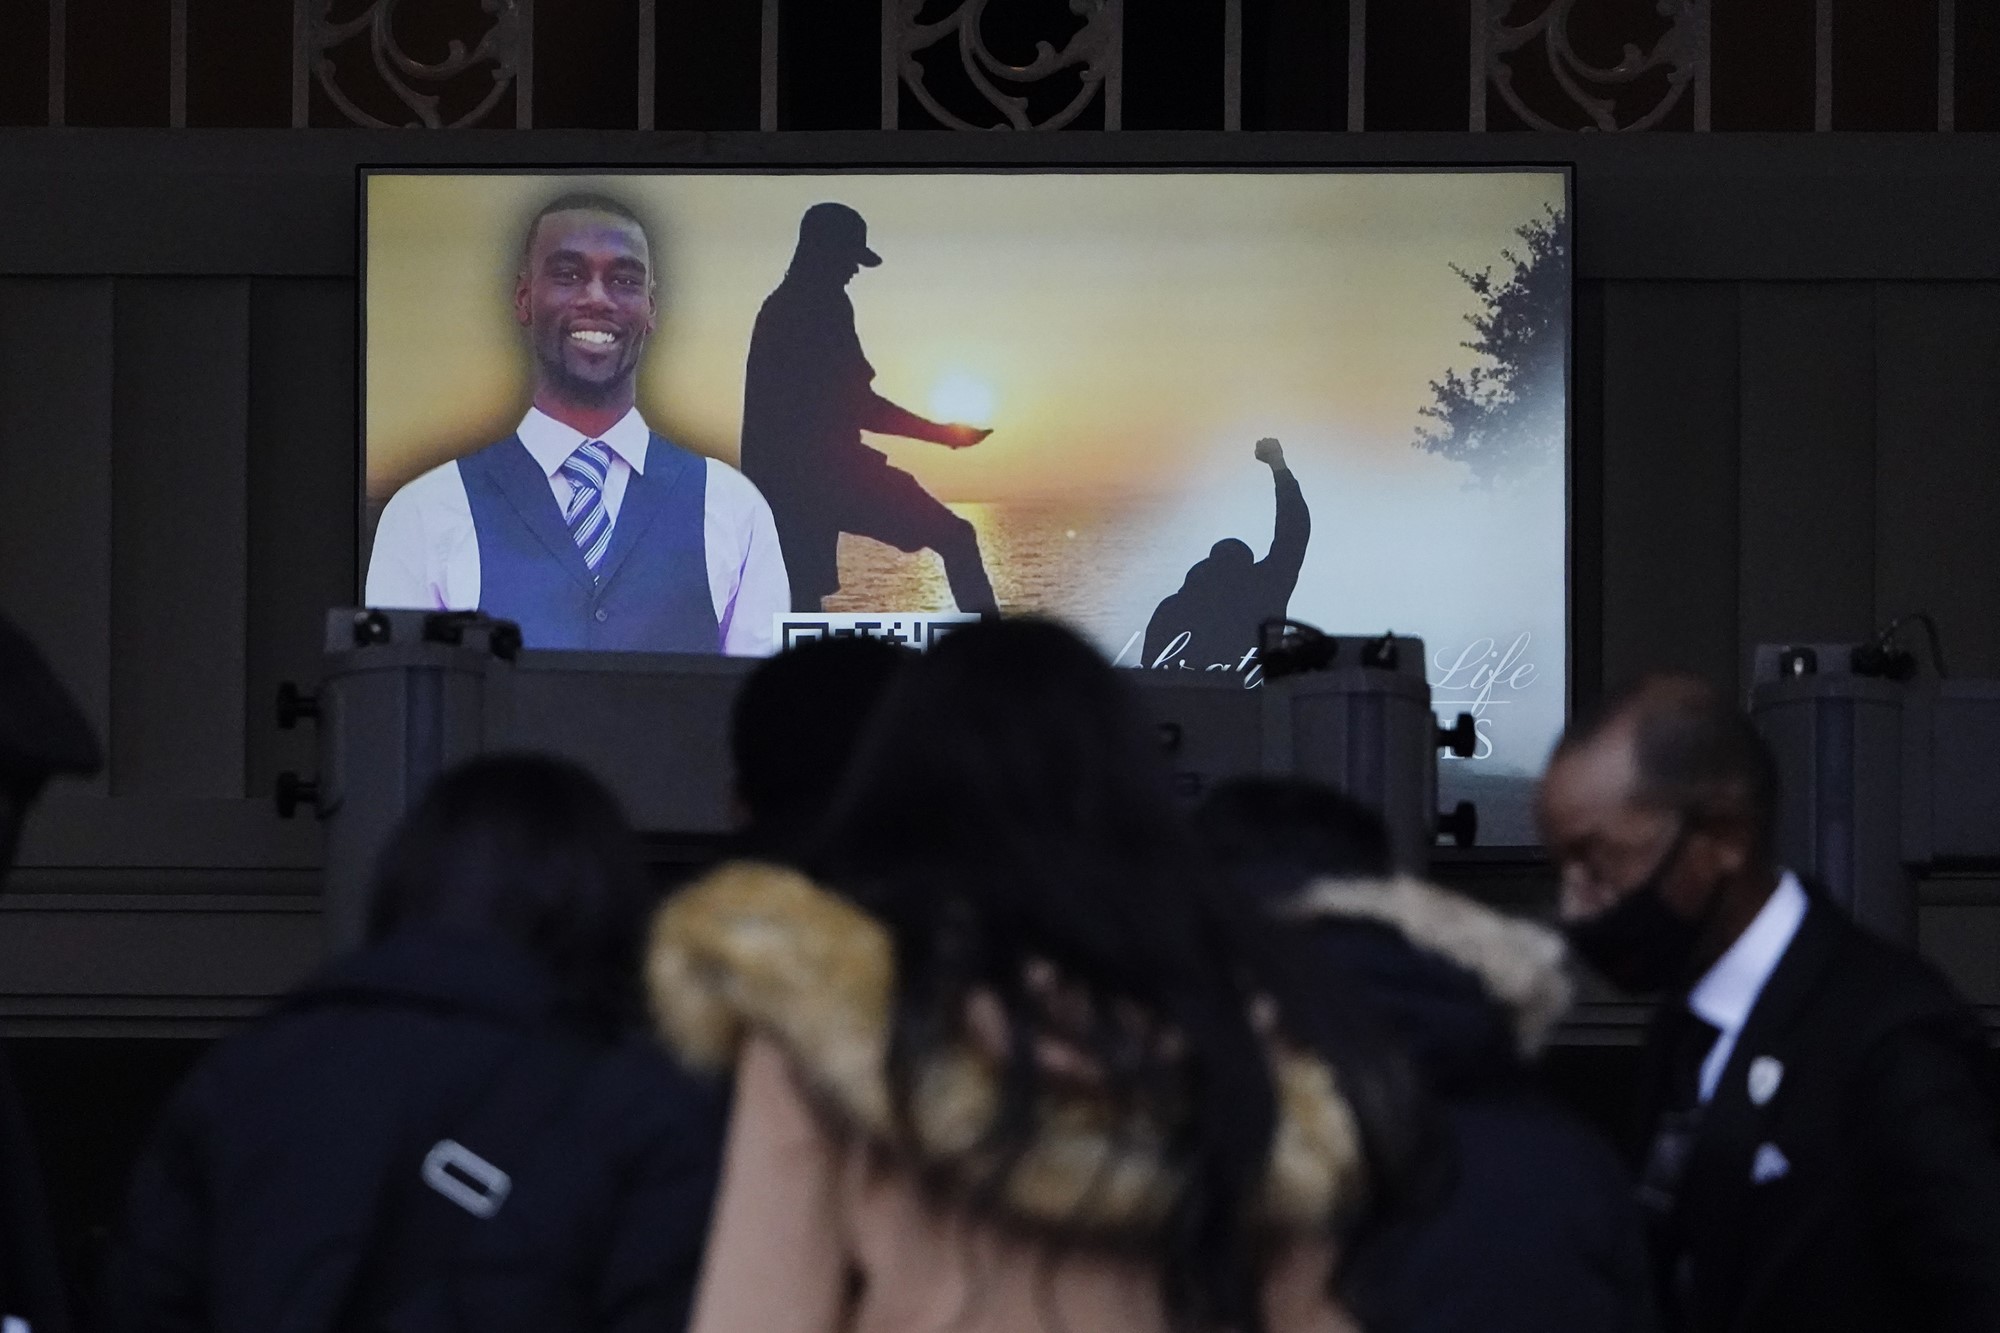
(962, 398)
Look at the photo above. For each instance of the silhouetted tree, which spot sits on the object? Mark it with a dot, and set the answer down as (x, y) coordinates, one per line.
(1503, 417)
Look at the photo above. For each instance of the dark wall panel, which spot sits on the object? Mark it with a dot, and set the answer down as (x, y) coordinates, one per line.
(239, 62)
(586, 63)
(1885, 64)
(178, 469)
(1295, 65)
(829, 64)
(136, 949)
(1808, 462)
(1586, 485)
(1763, 68)
(116, 61)
(24, 64)
(1419, 54)
(301, 492)
(699, 49)
(1978, 68)
(1173, 65)
(55, 476)
(1938, 464)
(1670, 474)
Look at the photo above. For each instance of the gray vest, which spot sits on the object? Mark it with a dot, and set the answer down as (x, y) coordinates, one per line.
(650, 591)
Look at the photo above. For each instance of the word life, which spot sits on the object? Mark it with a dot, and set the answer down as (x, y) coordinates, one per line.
(1480, 675)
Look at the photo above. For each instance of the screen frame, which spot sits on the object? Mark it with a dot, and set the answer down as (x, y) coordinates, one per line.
(1026, 163)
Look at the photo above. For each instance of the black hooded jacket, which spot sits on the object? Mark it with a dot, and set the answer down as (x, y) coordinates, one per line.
(1538, 1230)
(284, 1160)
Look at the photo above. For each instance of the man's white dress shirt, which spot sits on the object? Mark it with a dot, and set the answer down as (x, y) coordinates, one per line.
(1728, 991)
(427, 556)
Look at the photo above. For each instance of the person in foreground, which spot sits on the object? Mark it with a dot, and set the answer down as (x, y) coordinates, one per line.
(1818, 1137)
(1013, 1062)
(463, 1125)
(793, 730)
(1538, 1230)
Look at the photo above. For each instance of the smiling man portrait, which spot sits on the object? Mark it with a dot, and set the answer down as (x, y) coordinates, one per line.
(586, 527)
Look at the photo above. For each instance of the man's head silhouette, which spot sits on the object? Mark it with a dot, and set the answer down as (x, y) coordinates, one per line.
(1222, 567)
(795, 724)
(585, 295)
(833, 238)
(1229, 553)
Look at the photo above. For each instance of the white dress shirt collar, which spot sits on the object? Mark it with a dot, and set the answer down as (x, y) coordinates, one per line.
(550, 441)
(1728, 991)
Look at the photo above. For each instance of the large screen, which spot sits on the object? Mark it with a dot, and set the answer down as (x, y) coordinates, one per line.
(718, 411)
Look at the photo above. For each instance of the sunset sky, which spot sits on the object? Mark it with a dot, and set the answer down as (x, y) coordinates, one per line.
(1116, 328)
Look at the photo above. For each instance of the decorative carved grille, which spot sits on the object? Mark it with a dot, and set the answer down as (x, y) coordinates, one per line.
(1603, 65)
(1080, 65)
(356, 54)
(1654, 73)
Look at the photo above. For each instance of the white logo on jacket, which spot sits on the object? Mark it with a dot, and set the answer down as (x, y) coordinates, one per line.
(1770, 1164)
(1766, 1073)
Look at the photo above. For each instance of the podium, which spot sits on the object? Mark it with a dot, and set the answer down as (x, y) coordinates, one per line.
(1881, 779)
(407, 694)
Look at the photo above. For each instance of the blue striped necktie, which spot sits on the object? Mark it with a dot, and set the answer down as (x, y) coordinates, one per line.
(589, 521)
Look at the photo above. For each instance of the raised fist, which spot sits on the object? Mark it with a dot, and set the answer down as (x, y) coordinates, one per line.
(1270, 451)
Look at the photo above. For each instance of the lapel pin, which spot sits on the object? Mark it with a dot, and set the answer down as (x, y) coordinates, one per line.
(1769, 1165)
(1766, 1073)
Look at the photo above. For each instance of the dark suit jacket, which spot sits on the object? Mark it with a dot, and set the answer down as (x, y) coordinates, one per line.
(1886, 1214)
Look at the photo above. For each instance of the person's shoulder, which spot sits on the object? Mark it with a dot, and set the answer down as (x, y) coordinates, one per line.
(791, 297)
(1863, 959)
(1883, 983)
(440, 486)
(663, 450)
(728, 484)
(635, 1099)
(275, 1063)
(726, 474)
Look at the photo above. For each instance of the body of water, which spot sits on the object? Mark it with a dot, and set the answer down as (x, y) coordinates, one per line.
(1089, 565)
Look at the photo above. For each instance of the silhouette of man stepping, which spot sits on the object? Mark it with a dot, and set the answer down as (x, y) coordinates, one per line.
(808, 393)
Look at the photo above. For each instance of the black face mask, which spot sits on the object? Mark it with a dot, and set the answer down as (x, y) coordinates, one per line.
(1639, 943)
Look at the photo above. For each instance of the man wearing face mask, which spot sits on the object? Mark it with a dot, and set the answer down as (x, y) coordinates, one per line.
(1817, 1145)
